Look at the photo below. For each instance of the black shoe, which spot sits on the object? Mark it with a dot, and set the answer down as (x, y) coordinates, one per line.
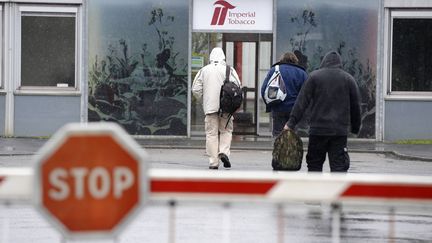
(213, 167)
(225, 160)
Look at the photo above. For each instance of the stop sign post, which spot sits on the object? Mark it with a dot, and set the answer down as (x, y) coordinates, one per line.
(90, 179)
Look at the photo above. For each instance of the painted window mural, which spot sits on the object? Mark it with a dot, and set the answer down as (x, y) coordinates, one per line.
(311, 28)
(138, 52)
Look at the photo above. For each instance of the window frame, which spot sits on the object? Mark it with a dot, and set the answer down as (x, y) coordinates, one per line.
(390, 15)
(48, 10)
(2, 28)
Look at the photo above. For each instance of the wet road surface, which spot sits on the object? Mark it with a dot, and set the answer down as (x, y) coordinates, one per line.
(244, 222)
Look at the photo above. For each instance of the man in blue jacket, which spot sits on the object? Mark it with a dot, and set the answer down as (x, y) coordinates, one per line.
(294, 76)
(333, 98)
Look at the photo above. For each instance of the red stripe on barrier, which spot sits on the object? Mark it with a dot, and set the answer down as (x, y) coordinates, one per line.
(393, 191)
(2, 178)
(212, 187)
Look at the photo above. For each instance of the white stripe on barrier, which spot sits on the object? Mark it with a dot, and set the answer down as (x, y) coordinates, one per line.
(16, 184)
(308, 190)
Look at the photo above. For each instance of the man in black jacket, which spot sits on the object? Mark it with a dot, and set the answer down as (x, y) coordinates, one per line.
(333, 97)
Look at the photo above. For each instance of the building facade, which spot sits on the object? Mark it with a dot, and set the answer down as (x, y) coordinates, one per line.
(133, 61)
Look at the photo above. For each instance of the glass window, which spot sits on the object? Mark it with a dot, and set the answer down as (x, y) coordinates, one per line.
(48, 49)
(1, 46)
(411, 66)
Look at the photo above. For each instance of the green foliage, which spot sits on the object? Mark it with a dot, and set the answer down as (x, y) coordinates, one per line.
(415, 141)
(146, 93)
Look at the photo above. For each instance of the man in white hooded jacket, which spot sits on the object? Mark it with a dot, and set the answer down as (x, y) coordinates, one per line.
(206, 86)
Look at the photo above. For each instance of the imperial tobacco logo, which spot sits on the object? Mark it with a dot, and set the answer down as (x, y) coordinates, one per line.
(220, 12)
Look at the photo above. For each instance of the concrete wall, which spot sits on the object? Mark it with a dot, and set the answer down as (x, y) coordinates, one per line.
(43, 115)
(407, 120)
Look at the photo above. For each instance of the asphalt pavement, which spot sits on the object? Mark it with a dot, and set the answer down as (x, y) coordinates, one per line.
(242, 222)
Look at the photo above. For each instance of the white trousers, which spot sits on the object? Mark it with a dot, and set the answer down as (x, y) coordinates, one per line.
(218, 138)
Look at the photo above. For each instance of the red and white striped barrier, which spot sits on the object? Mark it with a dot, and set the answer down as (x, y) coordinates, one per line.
(17, 185)
(288, 186)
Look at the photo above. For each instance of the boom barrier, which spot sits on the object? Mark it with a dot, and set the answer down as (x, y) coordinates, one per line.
(170, 186)
(16, 185)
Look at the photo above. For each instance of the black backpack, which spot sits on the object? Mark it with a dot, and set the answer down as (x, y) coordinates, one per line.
(231, 96)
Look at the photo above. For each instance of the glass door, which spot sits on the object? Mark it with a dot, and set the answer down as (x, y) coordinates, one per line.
(250, 55)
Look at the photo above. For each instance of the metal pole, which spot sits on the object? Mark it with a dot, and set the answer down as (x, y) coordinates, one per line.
(226, 223)
(280, 224)
(171, 222)
(5, 224)
(391, 237)
(336, 222)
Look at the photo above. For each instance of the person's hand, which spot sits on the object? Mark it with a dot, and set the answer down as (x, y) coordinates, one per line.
(286, 127)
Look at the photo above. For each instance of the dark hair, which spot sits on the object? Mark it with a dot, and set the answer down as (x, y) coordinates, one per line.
(289, 57)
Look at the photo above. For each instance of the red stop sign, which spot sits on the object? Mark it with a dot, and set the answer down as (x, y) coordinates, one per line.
(90, 178)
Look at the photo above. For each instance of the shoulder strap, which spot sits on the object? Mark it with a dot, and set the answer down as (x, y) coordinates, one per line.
(227, 73)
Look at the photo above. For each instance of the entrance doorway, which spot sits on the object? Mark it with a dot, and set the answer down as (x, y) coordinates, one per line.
(251, 55)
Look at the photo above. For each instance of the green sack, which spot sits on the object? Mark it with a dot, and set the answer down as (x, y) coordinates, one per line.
(287, 151)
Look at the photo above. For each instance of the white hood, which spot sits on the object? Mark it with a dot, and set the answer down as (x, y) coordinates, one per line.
(217, 55)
